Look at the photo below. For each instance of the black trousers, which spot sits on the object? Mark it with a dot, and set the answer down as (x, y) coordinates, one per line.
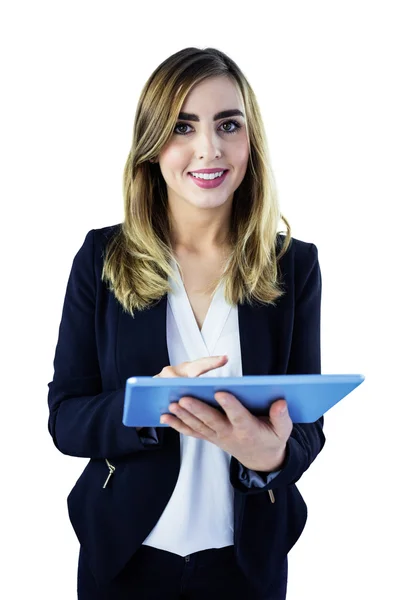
(154, 574)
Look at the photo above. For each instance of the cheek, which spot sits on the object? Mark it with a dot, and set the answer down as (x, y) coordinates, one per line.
(173, 158)
(242, 154)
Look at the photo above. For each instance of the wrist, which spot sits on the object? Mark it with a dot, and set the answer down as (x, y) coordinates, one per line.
(274, 463)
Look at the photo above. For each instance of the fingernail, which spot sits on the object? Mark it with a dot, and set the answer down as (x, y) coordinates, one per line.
(222, 399)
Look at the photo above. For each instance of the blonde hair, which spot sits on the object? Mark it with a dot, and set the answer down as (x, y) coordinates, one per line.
(137, 258)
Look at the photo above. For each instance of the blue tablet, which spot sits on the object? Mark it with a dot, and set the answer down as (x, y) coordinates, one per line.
(308, 396)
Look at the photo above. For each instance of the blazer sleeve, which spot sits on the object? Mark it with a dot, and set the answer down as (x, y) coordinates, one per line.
(84, 419)
(257, 479)
(306, 439)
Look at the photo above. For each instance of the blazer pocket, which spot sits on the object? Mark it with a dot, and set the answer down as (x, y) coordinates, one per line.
(88, 494)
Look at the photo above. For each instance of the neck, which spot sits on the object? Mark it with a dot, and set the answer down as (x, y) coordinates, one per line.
(200, 230)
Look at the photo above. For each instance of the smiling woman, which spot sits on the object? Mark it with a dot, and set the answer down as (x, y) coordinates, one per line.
(196, 281)
(197, 112)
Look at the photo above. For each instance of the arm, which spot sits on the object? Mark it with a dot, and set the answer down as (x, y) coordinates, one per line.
(84, 419)
(306, 439)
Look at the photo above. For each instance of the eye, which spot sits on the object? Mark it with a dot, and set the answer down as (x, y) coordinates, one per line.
(235, 130)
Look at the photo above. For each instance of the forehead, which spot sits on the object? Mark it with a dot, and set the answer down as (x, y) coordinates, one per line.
(212, 94)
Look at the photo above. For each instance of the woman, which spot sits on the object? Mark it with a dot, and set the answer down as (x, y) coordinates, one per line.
(195, 282)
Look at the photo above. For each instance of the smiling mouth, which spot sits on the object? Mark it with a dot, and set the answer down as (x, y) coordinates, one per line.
(223, 171)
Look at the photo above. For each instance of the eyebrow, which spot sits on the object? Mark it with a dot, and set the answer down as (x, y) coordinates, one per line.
(221, 115)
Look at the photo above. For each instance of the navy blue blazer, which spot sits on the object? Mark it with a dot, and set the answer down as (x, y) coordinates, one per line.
(99, 346)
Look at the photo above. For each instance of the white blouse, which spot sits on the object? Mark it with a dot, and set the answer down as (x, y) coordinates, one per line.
(199, 514)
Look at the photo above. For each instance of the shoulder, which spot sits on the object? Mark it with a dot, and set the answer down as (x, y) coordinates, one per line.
(96, 240)
(103, 235)
(89, 257)
(300, 255)
(299, 266)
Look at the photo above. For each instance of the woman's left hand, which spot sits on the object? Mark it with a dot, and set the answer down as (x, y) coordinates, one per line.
(259, 443)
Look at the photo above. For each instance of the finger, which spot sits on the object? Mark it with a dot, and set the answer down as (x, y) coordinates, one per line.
(193, 368)
(168, 372)
(195, 423)
(203, 365)
(210, 416)
(237, 414)
(179, 425)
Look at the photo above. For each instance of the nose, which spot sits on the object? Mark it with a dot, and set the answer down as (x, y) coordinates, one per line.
(207, 144)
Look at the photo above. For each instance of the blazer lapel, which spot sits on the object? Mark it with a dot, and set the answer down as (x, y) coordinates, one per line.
(141, 345)
(141, 350)
(259, 327)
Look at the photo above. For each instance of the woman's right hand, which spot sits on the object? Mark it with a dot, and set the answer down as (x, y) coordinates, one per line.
(193, 368)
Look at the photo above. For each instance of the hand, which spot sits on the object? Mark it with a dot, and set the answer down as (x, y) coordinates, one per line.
(193, 368)
(259, 443)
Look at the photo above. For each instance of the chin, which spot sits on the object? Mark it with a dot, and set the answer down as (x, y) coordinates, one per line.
(209, 202)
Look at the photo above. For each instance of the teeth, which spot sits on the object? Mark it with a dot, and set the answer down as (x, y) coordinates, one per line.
(207, 175)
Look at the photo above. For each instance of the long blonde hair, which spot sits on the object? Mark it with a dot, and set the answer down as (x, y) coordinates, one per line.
(137, 258)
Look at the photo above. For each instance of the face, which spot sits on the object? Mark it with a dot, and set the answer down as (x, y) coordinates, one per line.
(206, 144)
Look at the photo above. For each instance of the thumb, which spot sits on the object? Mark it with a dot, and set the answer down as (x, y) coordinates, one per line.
(279, 409)
(280, 419)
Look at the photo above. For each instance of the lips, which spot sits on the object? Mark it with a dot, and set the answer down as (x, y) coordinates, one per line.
(209, 183)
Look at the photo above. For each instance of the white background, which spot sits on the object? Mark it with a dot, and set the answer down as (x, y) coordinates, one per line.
(326, 77)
